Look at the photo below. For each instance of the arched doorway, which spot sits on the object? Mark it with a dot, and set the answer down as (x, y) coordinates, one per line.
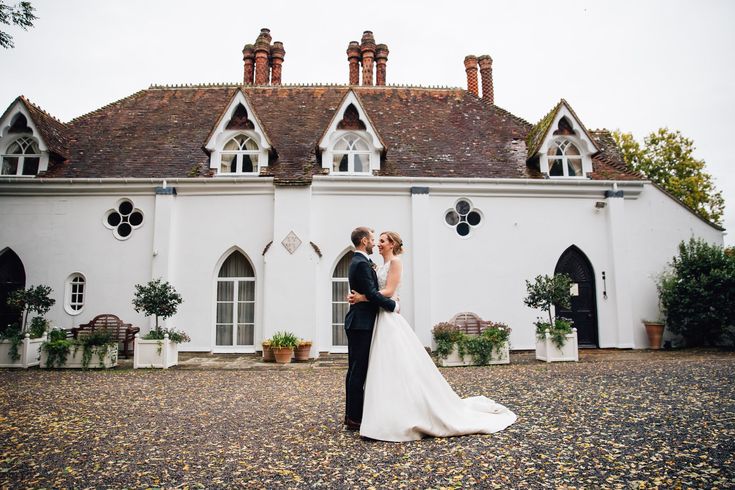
(574, 263)
(235, 316)
(12, 277)
(340, 288)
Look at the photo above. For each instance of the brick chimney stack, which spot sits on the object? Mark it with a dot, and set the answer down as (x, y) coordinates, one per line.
(262, 55)
(381, 60)
(486, 72)
(353, 56)
(277, 55)
(470, 66)
(367, 47)
(248, 58)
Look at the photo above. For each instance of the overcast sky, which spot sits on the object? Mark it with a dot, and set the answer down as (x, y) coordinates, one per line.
(629, 65)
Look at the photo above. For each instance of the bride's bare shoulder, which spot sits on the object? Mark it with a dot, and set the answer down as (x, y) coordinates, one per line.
(395, 261)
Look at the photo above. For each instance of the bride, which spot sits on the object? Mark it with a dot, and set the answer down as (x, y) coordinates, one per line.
(406, 397)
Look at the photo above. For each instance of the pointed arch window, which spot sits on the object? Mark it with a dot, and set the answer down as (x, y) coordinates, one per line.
(235, 322)
(340, 288)
(22, 157)
(565, 159)
(239, 156)
(351, 154)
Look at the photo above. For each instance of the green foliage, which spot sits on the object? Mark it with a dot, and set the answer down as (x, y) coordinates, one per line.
(57, 347)
(284, 339)
(156, 298)
(35, 299)
(480, 347)
(558, 331)
(545, 291)
(13, 334)
(20, 14)
(698, 293)
(445, 336)
(56, 334)
(57, 350)
(39, 326)
(176, 336)
(666, 158)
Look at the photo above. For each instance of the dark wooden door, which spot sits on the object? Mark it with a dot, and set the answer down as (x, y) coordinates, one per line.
(12, 277)
(574, 263)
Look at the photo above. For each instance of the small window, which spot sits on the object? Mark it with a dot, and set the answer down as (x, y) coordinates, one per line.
(463, 217)
(123, 219)
(239, 156)
(74, 295)
(351, 155)
(565, 160)
(22, 157)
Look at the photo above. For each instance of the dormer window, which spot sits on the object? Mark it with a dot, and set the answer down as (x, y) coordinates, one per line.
(22, 157)
(351, 154)
(565, 160)
(239, 156)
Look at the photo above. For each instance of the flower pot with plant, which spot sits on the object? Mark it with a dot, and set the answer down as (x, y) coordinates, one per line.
(454, 348)
(268, 351)
(96, 350)
(283, 345)
(20, 343)
(159, 348)
(302, 351)
(556, 340)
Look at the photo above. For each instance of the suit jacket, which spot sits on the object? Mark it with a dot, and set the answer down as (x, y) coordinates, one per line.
(363, 279)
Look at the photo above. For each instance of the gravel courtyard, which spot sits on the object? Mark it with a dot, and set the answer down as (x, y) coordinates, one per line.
(623, 420)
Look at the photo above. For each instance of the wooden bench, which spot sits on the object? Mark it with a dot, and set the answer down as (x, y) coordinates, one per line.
(123, 333)
(469, 323)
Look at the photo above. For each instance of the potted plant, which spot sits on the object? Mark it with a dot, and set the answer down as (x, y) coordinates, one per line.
(283, 345)
(268, 351)
(454, 348)
(60, 352)
(556, 340)
(159, 348)
(302, 351)
(20, 343)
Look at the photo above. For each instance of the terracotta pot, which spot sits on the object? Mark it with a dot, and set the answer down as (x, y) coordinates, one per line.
(268, 354)
(302, 352)
(283, 354)
(655, 332)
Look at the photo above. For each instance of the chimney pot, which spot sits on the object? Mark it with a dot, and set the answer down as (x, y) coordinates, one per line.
(353, 57)
(486, 72)
(277, 56)
(248, 58)
(367, 47)
(381, 60)
(470, 66)
(262, 53)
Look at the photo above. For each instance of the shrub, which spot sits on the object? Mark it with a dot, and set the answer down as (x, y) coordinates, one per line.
(446, 335)
(35, 299)
(157, 298)
(558, 331)
(176, 336)
(480, 347)
(697, 293)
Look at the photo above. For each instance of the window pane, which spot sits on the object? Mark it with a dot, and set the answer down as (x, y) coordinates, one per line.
(340, 163)
(452, 218)
(10, 165)
(571, 150)
(236, 265)
(228, 164)
(361, 163)
(339, 290)
(232, 145)
(473, 218)
(136, 218)
(342, 145)
(224, 335)
(251, 145)
(360, 145)
(246, 312)
(343, 266)
(574, 166)
(224, 312)
(463, 229)
(246, 291)
(225, 290)
(30, 165)
(247, 164)
(244, 334)
(555, 167)
(338, 335)
(463, 207)
(114, 218)
(125, 208)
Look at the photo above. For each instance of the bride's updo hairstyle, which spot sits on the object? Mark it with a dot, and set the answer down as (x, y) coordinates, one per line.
(396, 240)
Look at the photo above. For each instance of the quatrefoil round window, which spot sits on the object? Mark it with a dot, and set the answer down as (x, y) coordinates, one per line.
(123, 219)
(463, 217)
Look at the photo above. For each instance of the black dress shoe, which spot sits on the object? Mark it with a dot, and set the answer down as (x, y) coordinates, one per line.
(351, 424)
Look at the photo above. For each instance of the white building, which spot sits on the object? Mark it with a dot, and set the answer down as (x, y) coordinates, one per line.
(244, 197)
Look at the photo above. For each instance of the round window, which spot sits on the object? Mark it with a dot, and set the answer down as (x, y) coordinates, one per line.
(463, 217)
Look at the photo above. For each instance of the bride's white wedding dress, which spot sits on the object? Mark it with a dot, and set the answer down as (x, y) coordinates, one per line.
(407, 398)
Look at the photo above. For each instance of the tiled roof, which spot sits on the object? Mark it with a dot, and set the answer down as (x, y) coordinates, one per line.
(53, 131)
(428, 132)
(608, 164)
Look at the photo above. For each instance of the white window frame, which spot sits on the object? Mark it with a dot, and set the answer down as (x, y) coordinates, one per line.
(24, 142)
(336, 348)
(368, 154)
(234, 347)
(565, 141)
(75, 279)
(253, 154)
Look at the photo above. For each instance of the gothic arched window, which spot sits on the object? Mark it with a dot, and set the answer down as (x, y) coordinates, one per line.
(22, 157)
(239, 156)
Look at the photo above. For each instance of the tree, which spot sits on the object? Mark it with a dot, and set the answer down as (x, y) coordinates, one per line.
(20, 14)
(698, 293)
(666, 158)
(34, 299)
(156, 298)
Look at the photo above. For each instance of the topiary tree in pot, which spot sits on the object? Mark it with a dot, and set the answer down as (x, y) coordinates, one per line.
(545, 292)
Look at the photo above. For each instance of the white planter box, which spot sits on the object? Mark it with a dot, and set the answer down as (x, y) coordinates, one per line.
(453, 359)
(74, 359)
(29, 350)
(547, 351)
(161, 354)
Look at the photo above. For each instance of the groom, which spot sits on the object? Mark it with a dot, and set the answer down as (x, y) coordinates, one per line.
(359, 322)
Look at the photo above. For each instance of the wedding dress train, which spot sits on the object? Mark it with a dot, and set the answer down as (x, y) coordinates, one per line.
(407, 398)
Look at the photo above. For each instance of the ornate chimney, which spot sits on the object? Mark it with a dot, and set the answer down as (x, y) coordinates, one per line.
(486, 72)
(262, 55)
(277, 55)
(353, 57)
(470, 66)
(248, 58)
(381, 60)
(367, 47)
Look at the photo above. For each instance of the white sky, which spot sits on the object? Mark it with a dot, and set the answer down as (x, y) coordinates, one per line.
(629, 65)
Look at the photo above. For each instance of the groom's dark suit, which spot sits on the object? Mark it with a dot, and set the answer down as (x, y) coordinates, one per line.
(359, 323)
